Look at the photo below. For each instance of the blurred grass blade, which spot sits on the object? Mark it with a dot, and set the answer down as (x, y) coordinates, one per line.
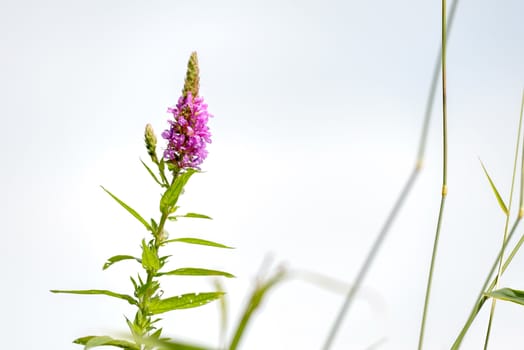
(198, 241)
(114, 259)
(185, 301)
(508, 294)
(224, 315)
(93, 341)
(130, 210)
(495, 191)
(194, 271)
(253, 304)
(126, 297)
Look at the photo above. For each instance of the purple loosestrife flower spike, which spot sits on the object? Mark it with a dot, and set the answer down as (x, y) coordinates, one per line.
(188, 133)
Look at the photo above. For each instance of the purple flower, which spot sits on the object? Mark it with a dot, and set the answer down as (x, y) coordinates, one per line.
(188, 135)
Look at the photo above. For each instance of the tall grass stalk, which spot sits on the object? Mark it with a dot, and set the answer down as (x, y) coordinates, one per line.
(444, 179)
(401, 198)
(505, 236)
(481, 298)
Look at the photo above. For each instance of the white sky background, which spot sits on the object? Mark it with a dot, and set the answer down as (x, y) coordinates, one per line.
(317, 106)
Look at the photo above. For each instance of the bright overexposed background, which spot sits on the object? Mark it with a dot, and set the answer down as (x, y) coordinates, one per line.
(318, 107)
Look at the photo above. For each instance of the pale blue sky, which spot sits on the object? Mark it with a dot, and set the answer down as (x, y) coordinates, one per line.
(317, 110)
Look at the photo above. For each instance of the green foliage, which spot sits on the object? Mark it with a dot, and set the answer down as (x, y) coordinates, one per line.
(193, 271)
(150, 260)
(130, 210)
(152, 174)
(508, 294)
(126, 297)
(114, 259)
(190, 215)
(170, 197)
(94, 341)
(198, 241)
(495, 191)
(185, 301)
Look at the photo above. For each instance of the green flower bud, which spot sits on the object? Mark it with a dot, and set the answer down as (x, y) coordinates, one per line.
(150, 140)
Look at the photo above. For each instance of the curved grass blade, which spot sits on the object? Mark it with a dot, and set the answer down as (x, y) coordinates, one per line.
(495, 191)
(194, 271)
(199, 241)
(114, 259)
(508, 294)
(94, 341)
(130, 210)
(255, 300)
(185, 301)
(125, 297)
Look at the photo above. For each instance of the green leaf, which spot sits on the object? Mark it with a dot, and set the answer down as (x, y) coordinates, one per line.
(170, 197)
(117, 258)
(130, 210)
(193, 271)
(185, 301)
(151, 173)
(495, 191)
(93, 341)
(197, 241)
(190, 215)
(508, 294)
(150, 260)
(126, 297)
(171, 345)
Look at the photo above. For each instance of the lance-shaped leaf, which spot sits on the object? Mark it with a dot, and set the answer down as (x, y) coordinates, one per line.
(164, 344)
(508, 294)
(190, 215)
(185, 301)
(150, 260)
(170, 197)
(130, 210)
(199, 241)
(194, 271)
(117, 258)
(151, 173)
(126, 297)
(495, 191)
(94, 341)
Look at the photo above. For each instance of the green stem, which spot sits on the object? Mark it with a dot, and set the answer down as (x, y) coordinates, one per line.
(504, 239)
(400, 200)
(481, 298)
(150, 290)
(444, 179)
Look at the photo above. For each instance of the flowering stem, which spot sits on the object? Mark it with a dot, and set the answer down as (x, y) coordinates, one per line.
(400, 200)
(444, 179)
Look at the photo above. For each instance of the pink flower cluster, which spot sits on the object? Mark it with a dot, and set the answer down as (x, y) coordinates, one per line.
(188, 135)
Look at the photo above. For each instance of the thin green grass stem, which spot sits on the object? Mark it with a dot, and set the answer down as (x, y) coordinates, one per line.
(400, 200)
(498, 261)
(444, 180)
(504, 239)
